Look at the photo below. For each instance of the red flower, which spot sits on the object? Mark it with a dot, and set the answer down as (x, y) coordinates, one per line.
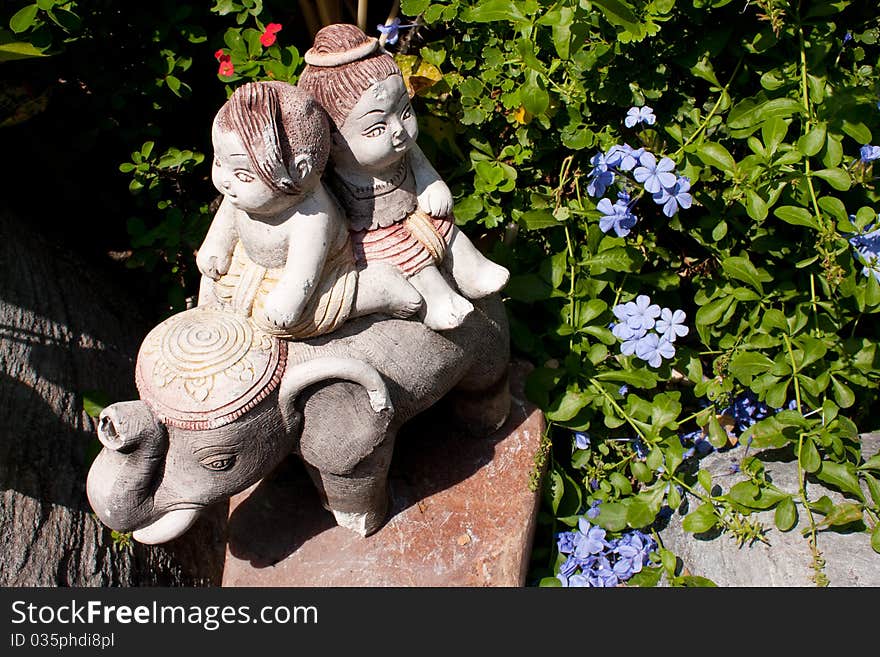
(267, 38)
(221, 56)
(226, 67)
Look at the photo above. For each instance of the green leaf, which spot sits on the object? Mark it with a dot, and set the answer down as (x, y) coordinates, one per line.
(755, 206)
(25, 17)
(696, 581)
(834, 206)
(549, 583)
(534, 97)
(705, 479)
(797, 216)
(875, 539)
(646, 578)
(742, 269)
(718, 437)
(718, 156)
(873, 487)
(612, 516)
(713, 311)
(843, 395)
(773, 131)
(700, 520)
(413, 7)
(858, 131)
(749, 112)
(618, 12)
(786, 515)
(872, 463)
(639, 514)
(841, 477)
(536, 219)
(492, 11)
(95, 401)
(810, 459)
(843, 514)
(616, 259)
(554, 489)
(837, 178)
(812, 142)
(19, 50)
(567, 406)
(749, 363)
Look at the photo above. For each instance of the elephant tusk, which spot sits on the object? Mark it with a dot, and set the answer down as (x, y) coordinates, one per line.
(300, 376)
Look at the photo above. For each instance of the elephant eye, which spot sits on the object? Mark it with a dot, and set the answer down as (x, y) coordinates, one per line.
(219, 464)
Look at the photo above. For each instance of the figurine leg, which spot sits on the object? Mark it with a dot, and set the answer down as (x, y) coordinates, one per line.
(444, 308)
(358, 503)
(382, 288)
(475, 274)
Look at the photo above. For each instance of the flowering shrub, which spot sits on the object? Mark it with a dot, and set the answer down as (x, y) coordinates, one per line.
(684, 192)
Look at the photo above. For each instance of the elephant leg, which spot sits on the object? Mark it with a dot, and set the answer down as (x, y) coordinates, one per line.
(481, 411)
(347, 448)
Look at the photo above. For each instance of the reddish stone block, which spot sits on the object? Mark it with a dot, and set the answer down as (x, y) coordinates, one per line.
(462, 514)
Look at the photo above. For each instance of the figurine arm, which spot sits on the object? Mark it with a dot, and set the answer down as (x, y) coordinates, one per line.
(215, 253)
(434, 195)
(310, 238)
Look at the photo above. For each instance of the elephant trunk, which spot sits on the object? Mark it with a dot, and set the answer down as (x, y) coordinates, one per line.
(124, 475)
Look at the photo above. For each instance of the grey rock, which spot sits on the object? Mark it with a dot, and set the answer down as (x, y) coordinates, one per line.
(785, 560)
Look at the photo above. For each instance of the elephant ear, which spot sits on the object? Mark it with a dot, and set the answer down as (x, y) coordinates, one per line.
(302, 375)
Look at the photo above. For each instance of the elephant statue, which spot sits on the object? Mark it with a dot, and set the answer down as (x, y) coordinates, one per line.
(223, 403)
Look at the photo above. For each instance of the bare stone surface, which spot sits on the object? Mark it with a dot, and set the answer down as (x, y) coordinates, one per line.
(786, 561)
(461, 514)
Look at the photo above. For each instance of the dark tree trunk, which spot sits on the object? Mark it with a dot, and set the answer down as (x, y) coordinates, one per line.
(66, 330)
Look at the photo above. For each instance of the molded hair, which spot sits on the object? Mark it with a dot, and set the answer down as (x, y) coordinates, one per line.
(338, 88)
(276, 121)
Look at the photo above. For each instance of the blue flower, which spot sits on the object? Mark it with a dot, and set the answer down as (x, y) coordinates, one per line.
(627, 157)
(847, 37)
(671, 324)
(581, 440)
(638, 314)
(602, 574)
(616, 216)
(640, 449)
(653, 349)
(569, 566)
(600, 176)
(565, 542)
(655, 175)
(866, 247)
(591, 541)
(868, 153)
(392, 30)
(578, 580)
(746, 410)
(623, 390)
(593, 511)
(636, 115)
(677, 196)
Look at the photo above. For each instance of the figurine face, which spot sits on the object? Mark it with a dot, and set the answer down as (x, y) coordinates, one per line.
(380, 128)
(234, 176)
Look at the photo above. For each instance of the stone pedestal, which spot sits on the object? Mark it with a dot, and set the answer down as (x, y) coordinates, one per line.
(462, 514)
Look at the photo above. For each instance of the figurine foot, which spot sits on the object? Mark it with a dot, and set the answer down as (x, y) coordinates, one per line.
(446, 312)
(383, 289)
(483, 280)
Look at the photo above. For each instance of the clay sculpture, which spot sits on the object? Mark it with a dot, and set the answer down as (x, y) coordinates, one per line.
(299, 344)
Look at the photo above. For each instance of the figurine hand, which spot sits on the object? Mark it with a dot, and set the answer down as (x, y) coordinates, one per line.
(436, 200)
(213, 264)
(278, 312)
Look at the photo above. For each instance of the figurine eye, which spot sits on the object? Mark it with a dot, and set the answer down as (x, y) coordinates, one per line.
(407, 112)
(220, 463)
(244, 176)
(375, 131)
(217, 162)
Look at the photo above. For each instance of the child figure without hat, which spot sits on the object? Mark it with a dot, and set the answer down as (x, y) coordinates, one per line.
(278, 248)
(398, 207)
